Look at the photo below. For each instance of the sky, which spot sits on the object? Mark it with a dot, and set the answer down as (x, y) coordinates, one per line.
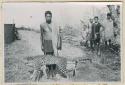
(32, 14)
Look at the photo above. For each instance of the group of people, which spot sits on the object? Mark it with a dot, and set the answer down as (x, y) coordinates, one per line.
(51, 42)
(98, 32)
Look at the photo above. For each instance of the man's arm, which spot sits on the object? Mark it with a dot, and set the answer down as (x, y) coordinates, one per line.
(41, 36)
(59, 42)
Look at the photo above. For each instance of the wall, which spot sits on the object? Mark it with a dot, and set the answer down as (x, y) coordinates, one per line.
(9, 33)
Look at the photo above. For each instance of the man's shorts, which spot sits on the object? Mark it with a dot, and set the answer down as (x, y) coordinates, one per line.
(48, 46)
(97, 39)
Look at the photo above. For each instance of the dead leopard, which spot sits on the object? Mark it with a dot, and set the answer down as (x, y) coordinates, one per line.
(39, 67)
(47, 66)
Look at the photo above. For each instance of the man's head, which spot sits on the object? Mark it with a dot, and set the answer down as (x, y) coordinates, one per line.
(91, 20)
(108, 15)
(96, 19)
(48, 16)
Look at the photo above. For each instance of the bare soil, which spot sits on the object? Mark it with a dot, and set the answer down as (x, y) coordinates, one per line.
(101, 69)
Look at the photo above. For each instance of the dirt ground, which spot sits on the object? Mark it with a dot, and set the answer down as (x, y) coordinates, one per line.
(17, 71)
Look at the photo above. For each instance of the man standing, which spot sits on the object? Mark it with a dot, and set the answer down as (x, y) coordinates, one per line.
(109, 31)
(91, 38)
(49, 38)
(96, 33)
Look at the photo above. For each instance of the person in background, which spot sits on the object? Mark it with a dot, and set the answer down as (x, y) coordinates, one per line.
(84, 34)
(109, 30)
(90, 33)
(96, 33)
(49, 40)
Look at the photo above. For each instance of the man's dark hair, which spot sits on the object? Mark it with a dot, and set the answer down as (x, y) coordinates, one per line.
(48, 12)
(96, 17)
(109, 14)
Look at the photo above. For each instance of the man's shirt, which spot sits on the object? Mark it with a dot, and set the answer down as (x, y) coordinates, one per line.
(96, 27)
(95, 30)
(109, 30)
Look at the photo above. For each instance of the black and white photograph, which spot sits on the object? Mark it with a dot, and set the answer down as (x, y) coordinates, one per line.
(62, 42)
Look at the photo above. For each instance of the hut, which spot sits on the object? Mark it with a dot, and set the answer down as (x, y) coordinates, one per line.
(9, 35)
